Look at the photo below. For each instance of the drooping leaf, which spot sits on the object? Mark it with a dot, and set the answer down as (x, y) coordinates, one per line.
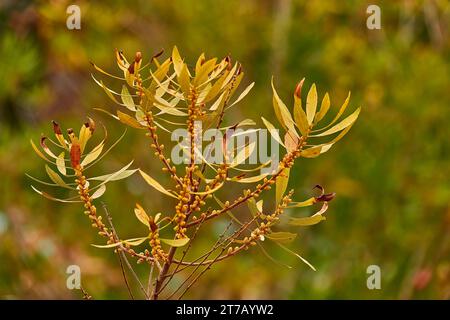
(155, 184)
(50, 197)
(306, 203)
(249, 179)
(297, 255)
(175, 242)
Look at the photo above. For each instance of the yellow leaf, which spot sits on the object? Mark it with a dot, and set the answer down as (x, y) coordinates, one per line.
(56, 178)
(141, 215)
(281, 184)
(300, 119)
(290, 141)
(60, 163)
(127, 99)
(324, 107)
(250, 179)
(94, 154)
(39, 153)
(312, 220)
(282, 112)
(341, 110)
(243, 94)
(184, 81)
(273, 131)
(341, 125)
(177, 61)
(155, 184)
(129, 120)
(311, 104)
(99, 192)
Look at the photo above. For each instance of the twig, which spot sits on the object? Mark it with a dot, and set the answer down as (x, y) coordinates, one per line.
(121, 253)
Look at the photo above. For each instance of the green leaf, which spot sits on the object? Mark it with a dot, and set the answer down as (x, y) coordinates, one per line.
(311, 104)
(155, 184)
(175, 242)
(282, 236)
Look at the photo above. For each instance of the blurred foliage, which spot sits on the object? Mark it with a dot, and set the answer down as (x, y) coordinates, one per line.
(391, 174)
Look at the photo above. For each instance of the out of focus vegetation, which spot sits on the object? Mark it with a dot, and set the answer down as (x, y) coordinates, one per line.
(391, 173)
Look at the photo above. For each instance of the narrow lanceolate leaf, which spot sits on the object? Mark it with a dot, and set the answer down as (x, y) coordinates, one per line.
(175, 242)
(135, 241)
(202, 71)
(311, 152)
(249, 179)
(306, 203)
(39, 153)
(282, 236)
(155, 184)
(56, 177)
(300, 118)
(341, 110)
(298, 256)
(281, 184)
(141, 215)
(184, 81)
(129, 120)
(94, 154)
(177, 61)
(114, 176)
(99, 192)
(311, 104)
(242, 155)
(273, 131)
(312, 220)
(242, 95)
(341, 125)
(282, 112)
(127, 99)
(324, 107)
(219, 103)
(60, 163)
(50, 197)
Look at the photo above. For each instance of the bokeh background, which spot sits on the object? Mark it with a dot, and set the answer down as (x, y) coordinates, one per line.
(391, 172)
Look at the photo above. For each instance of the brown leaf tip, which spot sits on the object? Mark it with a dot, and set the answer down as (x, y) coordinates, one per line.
(298, 88)
(56, 127)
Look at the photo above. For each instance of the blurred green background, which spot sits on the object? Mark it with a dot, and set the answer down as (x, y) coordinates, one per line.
(391, 172)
